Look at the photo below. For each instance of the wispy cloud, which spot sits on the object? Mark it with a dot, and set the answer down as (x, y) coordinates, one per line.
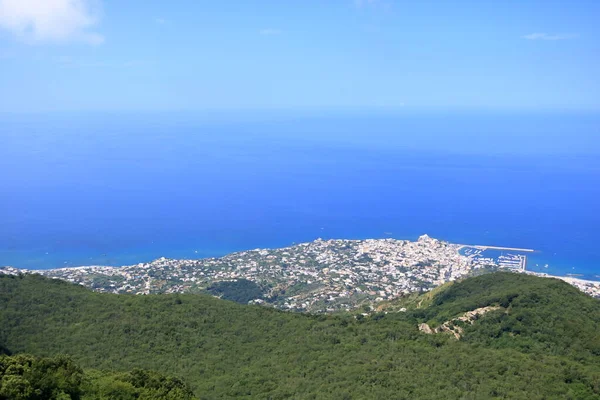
(160, 21)
(270, 32)
(546, 36)
(35, 21)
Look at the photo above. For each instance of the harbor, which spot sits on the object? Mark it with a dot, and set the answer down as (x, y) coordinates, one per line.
(484, 247)
(506, 259)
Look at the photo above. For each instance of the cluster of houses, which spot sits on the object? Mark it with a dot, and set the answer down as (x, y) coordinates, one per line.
(320, 276)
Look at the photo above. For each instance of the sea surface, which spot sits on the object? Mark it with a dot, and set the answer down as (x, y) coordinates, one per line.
(117, 188)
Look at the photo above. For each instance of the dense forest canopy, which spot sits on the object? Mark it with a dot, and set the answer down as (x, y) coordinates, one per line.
(28, 377)
(239, 290)
(540, 340)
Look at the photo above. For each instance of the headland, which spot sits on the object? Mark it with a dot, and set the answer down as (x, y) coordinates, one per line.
(319, 276)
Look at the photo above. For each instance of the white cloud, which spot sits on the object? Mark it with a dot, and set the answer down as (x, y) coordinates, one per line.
(51, 20)
(270, 32)
(160, 21)
(546, 36)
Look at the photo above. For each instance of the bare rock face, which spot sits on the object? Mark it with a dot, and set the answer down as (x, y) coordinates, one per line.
(449, 326)
(472, 316)
(426, 329)
(454, 330)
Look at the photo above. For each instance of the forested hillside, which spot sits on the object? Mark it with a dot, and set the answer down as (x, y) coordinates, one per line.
(28, 377)
(539, 340)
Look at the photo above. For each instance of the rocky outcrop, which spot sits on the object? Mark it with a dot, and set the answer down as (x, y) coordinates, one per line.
(426, 329)
(451, 326)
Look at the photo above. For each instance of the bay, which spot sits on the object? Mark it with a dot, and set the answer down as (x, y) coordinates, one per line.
(116, 189)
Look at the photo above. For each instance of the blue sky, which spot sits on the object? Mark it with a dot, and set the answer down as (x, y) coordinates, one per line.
(304, 54)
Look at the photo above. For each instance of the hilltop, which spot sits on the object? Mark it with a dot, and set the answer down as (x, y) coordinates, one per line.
(538, 340)
(320, 276)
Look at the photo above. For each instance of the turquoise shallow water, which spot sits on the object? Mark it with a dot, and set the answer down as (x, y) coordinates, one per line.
(121, 189)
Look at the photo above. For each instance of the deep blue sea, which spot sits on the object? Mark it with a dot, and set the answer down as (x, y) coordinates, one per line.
(116, 188)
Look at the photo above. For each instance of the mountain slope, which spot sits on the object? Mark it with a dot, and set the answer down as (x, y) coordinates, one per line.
(225, 349)
(27, 377)
(534, 314)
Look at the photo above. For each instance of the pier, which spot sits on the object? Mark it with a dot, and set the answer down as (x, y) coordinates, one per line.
(482, 247)
(513, 261)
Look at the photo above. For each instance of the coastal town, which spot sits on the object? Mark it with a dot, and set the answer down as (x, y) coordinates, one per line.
(320, 276)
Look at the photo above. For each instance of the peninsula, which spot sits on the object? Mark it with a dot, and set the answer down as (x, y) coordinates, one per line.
(320, 276)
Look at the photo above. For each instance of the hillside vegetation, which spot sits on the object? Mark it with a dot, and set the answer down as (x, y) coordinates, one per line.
(541, 343)
(28, 377)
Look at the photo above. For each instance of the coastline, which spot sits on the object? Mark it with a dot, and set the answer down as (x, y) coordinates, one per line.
(430, 261)
(568, 279)
(146, 258)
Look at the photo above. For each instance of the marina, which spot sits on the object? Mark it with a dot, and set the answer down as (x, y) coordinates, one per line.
(482, 247)
(515, 261)
(506, 259)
